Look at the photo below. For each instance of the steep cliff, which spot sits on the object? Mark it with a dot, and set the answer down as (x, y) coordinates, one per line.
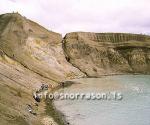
(30, 55)
(99, 54)
(35, 47)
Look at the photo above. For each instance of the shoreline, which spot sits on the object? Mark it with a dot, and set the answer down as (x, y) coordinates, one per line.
(57, 115)
(115, 75)
(52, 111)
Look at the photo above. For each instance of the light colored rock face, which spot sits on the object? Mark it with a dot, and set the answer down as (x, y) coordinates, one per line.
(35, 48)
(17, 84)
(108, 53)
(29, 56)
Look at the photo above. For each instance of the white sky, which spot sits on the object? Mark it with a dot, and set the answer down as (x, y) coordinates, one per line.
(84, 15)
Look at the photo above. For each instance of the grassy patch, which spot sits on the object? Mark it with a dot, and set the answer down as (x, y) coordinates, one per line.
(51, 111)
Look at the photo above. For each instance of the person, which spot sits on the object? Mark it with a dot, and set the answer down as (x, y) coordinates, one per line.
(36, 97)
(42, 86)
(29, 108)
(46, 87)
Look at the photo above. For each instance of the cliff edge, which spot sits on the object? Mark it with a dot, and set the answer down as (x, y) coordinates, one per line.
(35, 47)
(98, 54)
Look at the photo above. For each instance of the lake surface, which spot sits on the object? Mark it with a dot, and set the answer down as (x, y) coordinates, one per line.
(132, 109)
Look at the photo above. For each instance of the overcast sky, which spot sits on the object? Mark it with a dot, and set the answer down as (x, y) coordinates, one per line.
(84, 15)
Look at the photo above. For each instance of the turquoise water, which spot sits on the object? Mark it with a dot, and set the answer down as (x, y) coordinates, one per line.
(133, 109)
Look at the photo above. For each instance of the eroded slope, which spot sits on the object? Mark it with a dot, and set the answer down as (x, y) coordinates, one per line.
(99, 54)
(17, 84)
(35, 47)
(30, 55)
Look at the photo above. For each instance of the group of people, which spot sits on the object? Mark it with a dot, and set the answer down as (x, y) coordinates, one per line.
(37, 98)
(44, 87)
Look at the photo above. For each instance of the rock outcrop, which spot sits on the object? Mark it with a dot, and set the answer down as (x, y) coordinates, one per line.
(98, 54)
(30, 55)
(35, 47)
